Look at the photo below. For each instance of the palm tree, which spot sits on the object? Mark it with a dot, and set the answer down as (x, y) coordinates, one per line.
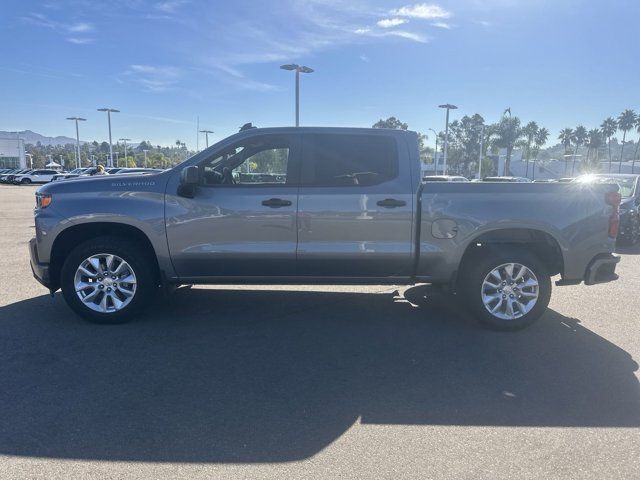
(507, 134)
(541, 137)
(635, 154)
(609, 128)
(529, 131)
(626, 122)
(566, 138)
(580, 135)
(594, 142)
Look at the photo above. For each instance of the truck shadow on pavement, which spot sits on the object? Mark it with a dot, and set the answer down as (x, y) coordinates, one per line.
(272, 376)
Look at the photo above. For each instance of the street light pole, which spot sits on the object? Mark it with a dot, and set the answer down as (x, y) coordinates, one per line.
(77, 119)
(435, 155)
(30, 159)
(298, 69)
(125, 140)
(206, 135)
(145, 158)
(109, 110)
(448, 106)
(480, 157)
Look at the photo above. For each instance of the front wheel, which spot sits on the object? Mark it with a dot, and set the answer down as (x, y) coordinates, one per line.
(108, 280)
(25, 181)
(507, 288)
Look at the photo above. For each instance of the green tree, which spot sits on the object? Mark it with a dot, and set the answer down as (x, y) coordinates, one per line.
(626, 121)
(506, 135)
(594, 142)
(609, 128)
(392, 123)
(539, 140)
(566, 138)
(529, 132)
(580, 136)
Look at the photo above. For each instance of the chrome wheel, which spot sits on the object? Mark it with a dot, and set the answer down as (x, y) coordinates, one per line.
(510, 291)
(105, 283)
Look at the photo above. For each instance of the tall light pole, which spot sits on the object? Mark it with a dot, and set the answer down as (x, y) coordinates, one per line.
(109, 111)
(117, 163)
(125, 140)
(448, 106)
(77, 119)
(145, 157)
(30, 159)
(480, 157)
(435, 155)
(206, 135)
(298, 69)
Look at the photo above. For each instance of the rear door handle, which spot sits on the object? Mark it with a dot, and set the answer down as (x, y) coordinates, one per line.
(391, 203)
(276, 203)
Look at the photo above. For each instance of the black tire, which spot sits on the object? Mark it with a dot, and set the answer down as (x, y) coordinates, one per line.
(481, 264)
(25, 181)
(634, 234)
(140, 260)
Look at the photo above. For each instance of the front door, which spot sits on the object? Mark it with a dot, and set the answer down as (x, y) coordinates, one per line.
(241, 221)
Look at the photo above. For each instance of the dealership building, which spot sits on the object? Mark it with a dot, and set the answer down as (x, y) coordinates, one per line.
(12, 153)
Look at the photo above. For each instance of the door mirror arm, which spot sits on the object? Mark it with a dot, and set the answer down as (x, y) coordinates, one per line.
(189, 180)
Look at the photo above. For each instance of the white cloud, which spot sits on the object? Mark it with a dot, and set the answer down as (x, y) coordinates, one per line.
(391, 22)
(423, 11)
(444, 25)
(416, 37)
(80, 28)
(153, 78)
(364, 58)
(169, 6)
(79, 40)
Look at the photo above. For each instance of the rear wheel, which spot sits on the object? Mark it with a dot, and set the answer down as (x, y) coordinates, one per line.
(108, 280)
(25, 181)
(507, 288)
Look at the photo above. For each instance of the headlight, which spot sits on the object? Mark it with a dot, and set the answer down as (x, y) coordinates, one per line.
(43, 200)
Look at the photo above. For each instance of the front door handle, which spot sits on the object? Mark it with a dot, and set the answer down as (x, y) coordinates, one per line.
(391, 203)
(276, 203)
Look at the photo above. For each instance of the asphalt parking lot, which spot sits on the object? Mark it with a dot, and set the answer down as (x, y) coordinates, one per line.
(316, 382)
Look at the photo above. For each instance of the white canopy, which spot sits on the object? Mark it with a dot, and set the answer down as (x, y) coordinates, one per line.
(53, 165)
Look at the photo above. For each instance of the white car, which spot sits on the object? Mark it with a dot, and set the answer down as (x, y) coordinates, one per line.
(36, 176)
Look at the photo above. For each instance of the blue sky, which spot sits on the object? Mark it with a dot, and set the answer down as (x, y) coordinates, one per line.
(163, 63)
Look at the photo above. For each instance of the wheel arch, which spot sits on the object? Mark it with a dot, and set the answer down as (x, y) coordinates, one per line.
(539, 242)
(74, 235)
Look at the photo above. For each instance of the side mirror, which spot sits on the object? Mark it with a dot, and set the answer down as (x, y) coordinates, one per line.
(189, 179)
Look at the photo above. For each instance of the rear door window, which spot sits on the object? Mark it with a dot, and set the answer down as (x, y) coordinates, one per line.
(341, 160)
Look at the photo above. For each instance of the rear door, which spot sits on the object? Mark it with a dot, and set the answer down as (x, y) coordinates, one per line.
(355, 206)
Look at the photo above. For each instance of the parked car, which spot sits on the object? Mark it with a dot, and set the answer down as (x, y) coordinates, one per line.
(349, 207)
(444, 178)
(507, 179)
(133, 171)
(9, 177)
(34, 176)
(72, 174)
(629, 232)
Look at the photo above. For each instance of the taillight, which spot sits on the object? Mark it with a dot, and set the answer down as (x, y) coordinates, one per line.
(614, 199)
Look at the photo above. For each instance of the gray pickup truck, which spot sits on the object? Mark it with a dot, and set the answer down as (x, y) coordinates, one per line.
(319, 205)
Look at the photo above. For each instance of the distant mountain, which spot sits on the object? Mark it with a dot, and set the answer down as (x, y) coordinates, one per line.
(32, 137)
